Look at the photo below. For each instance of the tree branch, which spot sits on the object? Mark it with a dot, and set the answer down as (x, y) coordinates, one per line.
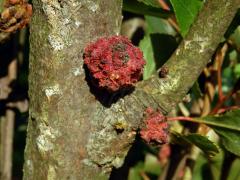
(194, 53)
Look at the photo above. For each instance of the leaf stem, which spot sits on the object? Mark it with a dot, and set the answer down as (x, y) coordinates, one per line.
(171, 20)
(202, 121)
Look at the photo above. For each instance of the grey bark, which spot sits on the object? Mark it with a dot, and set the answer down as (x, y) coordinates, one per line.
(71, 135)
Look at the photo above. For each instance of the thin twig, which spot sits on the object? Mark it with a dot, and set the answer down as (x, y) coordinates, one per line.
(7, 128)
(7, 132)
(219, 58)
(171, 20)
(220, 103)
(164, 5)
(222, 110)
(144, 175)
(180, 118)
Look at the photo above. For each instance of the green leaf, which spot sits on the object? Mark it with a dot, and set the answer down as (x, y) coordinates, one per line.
(134, 172)
(227, 126)
(186, 11)
(234, 173)
(237, 70)
(230, 139)
(199, 164)
(152, 164)
(227, 79)
(198, 140)
(230, 121)
(235, 37)
(136, 7)
(157, 45)
(147, 49)
(153, 3)
(203, 143)
(158, 25)
(196, 90)
(208, 168)
(2, 2)
(157, 48)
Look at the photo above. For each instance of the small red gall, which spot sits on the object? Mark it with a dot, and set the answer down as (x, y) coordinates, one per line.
(114, 63)
(163, 72)
(156, 129)
(164, 154)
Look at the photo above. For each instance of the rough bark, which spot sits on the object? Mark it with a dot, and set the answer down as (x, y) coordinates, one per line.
(63, 113)
(73, 130)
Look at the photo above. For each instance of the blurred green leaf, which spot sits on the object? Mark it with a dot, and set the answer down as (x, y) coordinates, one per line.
(230, 139)
(227, 126)
(234, 173)
(227, 79)
(136, 7)
(153, 3)
(197, 170)
(187, 174)
(196, 90)
(134, 172)
(235, 37)
(186, 11)
(2, 2)
(158, 25)
(237, 70)
(152, 164)
(147, 49)
(230, 121)
(157, 45)
(157, 48)
(233, 55)
(215, 165)
(208, 167)
(198, 140)
(203, 143)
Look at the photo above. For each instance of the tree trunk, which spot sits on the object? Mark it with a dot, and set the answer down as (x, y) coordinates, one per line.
(63, 113)
(73, 130)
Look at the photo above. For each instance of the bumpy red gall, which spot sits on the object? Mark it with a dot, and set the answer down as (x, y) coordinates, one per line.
(114, 63)
(156, 129)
